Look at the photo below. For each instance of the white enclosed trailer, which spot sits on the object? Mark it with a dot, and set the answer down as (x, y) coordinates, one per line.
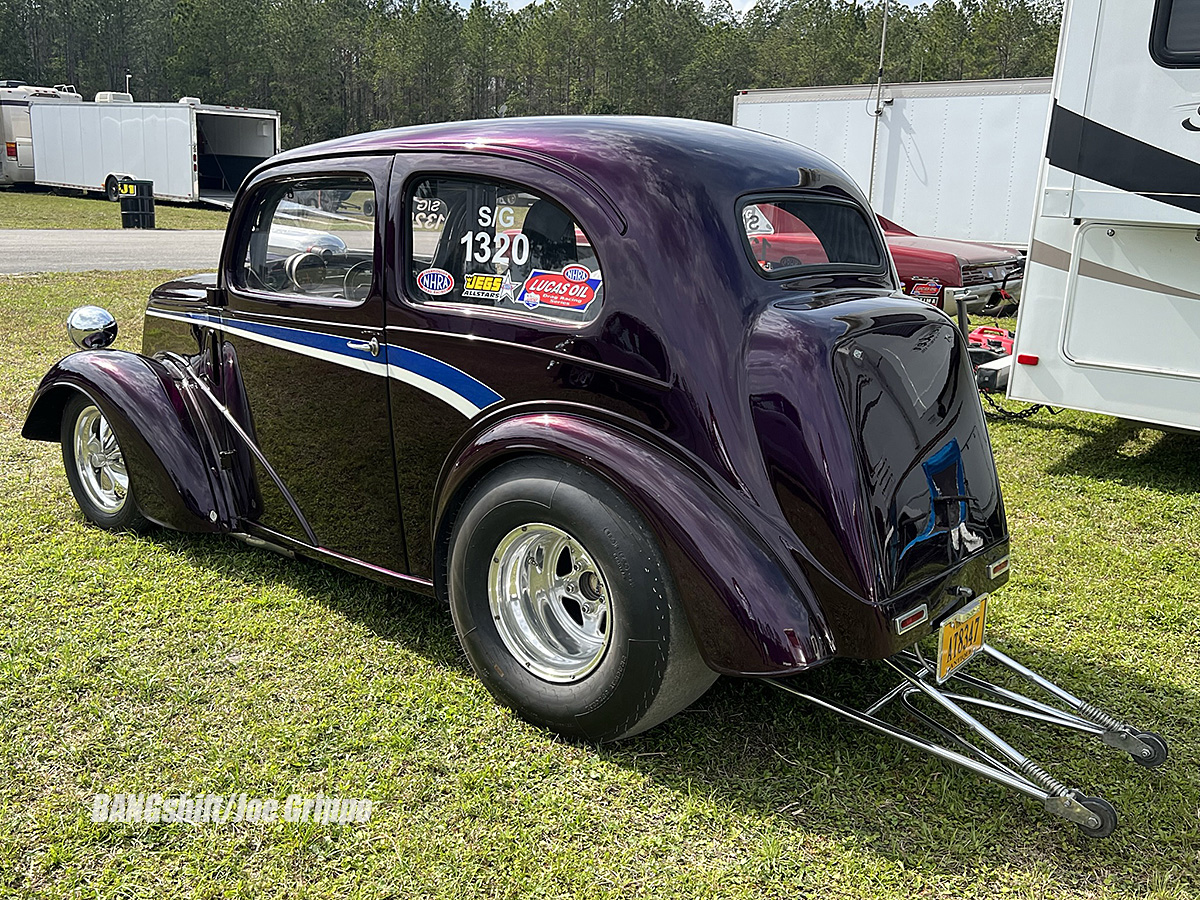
(1110, 316)
(956, 159)
(192, 152)
(16, 161)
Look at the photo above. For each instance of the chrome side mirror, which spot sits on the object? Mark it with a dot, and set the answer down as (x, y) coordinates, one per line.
(91, 328)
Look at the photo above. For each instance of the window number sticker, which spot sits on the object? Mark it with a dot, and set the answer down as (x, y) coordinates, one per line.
(483, 247)
(500, 217)
(755, 222)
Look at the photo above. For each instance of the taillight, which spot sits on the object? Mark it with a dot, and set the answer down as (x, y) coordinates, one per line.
(10, 150)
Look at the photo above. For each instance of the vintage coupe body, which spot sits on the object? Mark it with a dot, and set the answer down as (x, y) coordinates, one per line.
(548, 381)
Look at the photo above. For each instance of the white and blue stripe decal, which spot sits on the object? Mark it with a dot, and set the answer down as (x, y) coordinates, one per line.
(432, 376)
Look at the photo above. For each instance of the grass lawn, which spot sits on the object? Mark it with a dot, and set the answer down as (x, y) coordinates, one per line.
(174, 664)
(37, 209)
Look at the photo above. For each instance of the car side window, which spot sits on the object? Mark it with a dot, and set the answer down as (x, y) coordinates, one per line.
(311, 237)
(485, 243)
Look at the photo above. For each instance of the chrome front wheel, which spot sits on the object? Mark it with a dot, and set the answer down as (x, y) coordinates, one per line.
(550, 602)
(99, 462)
(96, 467)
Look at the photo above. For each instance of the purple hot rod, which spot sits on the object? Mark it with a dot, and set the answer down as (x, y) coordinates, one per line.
(547, 380)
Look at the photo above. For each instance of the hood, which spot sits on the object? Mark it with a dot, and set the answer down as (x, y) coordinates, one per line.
(968, 253)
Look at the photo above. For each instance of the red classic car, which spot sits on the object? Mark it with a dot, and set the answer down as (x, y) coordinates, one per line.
(930, 269)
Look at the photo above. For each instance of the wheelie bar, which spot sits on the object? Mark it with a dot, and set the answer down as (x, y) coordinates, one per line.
(1005, 764)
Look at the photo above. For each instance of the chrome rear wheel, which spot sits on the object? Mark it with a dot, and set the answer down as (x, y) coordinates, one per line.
(550, 602)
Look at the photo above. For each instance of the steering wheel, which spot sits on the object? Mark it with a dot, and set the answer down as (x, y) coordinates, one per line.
(356, 284)
(305, 271)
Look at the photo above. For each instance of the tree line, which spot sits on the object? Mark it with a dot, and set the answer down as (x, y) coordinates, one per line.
(334, 67)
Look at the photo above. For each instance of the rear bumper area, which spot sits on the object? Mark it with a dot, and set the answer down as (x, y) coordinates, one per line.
(873, 631)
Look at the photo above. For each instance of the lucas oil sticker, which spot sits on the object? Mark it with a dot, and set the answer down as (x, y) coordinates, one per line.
(572, 288)
(927, 291)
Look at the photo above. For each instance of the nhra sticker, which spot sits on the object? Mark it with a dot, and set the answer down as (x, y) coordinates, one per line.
(572, 288)
(435, 282)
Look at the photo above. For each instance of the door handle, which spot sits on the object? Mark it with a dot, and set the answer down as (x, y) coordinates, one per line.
(372, 345)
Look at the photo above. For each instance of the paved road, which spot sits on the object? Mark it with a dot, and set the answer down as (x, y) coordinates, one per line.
(29, 250)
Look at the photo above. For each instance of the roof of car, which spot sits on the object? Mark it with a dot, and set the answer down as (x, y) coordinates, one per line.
(609, 149)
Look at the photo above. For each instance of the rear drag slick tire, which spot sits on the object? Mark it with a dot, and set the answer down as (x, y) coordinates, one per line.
(564, 605)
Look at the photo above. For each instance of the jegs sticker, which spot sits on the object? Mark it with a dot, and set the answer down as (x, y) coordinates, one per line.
(572, 288)
(489, 287)
(435, 282)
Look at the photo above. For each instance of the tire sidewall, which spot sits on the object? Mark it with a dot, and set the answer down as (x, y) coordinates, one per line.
(611, 699)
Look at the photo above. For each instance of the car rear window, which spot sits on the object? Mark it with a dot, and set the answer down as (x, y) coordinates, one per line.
(786, 236)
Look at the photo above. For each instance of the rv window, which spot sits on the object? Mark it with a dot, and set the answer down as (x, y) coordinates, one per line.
(1175, 37)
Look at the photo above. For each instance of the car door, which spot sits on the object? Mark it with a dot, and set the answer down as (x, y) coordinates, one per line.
(302, 329)
(495, 279)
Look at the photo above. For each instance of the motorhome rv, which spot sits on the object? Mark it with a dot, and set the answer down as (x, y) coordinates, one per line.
(1110, 315)
(16, 162)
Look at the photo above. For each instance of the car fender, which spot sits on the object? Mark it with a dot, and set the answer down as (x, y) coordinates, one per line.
(748, 616)
(170, 466)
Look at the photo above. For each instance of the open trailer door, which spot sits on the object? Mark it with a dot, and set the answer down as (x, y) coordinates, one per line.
(230, 142)
(1110, 316)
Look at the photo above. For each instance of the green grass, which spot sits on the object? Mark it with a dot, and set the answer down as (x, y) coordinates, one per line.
(37, 209)
(183, 664)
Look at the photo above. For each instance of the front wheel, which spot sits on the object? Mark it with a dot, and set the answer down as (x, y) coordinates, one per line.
(564, 604)
(96, 467)
(110, 190)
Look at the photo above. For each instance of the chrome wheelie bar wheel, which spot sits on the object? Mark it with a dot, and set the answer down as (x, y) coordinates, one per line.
(550, 602)
(99, 462)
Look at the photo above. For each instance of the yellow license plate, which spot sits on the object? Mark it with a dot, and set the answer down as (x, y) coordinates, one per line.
(960, 637)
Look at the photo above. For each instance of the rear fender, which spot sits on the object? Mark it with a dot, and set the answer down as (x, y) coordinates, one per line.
(748, 615)
(171, 466)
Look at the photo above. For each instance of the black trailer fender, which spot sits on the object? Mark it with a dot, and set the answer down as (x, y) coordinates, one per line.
(173, 469)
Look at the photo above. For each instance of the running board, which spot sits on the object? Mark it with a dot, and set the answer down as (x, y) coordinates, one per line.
(1094, 816)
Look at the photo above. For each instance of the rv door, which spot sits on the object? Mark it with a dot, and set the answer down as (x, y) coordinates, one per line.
(1110, 314)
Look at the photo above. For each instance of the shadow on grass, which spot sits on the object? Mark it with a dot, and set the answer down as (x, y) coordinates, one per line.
(749, 747)
(1119, 452)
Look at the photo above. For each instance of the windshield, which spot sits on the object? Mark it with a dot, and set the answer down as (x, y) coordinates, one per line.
(787, 236)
